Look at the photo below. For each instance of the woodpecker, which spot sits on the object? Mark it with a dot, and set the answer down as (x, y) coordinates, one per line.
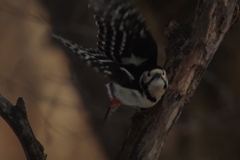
(126, 53)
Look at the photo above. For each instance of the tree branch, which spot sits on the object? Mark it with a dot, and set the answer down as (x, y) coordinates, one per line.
(16, 117)
(191, 47)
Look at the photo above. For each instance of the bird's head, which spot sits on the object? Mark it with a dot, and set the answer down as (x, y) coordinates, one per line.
(154, 83)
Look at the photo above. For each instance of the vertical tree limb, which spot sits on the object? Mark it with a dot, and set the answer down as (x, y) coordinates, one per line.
(16, 117)
(191, 47)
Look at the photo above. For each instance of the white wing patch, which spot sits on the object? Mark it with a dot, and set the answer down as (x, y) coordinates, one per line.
(133, 60)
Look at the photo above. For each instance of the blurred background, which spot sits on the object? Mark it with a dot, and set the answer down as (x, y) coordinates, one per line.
(67, 101)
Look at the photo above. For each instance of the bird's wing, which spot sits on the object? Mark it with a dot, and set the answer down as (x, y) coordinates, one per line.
(122, 33)
(100, 63)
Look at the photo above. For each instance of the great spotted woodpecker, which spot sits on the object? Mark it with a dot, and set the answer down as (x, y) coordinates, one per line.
(126, 53)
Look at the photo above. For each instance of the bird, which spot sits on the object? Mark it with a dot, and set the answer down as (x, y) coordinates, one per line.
(126, 53)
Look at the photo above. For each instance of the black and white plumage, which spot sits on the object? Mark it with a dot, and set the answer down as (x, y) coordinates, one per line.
(126, 53)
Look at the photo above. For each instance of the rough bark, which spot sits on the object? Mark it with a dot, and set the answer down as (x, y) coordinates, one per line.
(191, 47)
(16, 117)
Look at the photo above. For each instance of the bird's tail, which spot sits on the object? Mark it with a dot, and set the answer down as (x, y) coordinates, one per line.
(110, 111)
(115, 103)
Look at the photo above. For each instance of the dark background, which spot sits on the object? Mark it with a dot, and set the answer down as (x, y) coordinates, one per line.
(66, 101)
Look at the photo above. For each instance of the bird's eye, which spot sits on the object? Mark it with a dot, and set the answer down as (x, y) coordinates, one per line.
(148, 74)
(165, 86)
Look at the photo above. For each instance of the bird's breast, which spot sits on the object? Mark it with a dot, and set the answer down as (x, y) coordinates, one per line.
(131, 97)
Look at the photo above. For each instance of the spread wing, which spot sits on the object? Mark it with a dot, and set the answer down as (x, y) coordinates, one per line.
(122, 34)
(100, 63)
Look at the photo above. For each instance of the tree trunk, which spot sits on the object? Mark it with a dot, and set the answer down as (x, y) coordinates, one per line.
(191, 47)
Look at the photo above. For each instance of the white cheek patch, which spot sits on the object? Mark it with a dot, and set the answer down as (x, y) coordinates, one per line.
(145, 77)
(137, 61)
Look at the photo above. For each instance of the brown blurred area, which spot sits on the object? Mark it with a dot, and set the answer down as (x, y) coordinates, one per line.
(66, 101)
